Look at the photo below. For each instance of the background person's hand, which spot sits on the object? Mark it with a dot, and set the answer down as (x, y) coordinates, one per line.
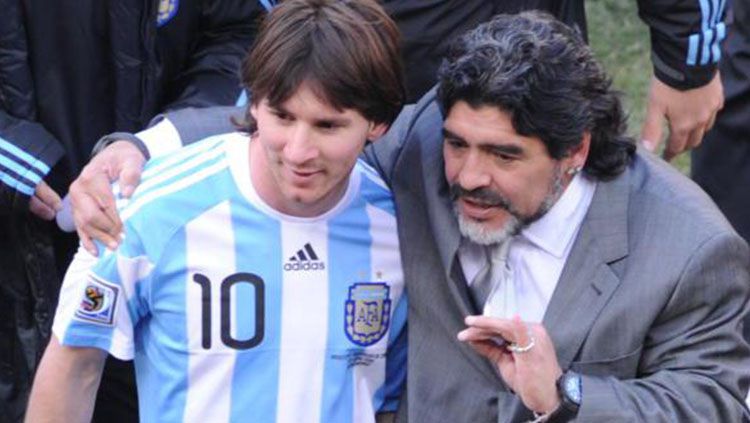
(45, 202)
(689, 115)
(94, 209)
(532, 374)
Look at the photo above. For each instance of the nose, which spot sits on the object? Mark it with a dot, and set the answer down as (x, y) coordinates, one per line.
(300, 146)
(473, 172)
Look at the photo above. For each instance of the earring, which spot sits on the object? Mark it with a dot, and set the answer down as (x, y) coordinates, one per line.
(573, 170)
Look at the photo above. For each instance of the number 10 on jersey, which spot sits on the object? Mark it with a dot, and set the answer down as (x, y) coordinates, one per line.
(225, 304)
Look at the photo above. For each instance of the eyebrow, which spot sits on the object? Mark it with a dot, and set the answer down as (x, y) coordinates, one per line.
(495, 148)
(338, 121)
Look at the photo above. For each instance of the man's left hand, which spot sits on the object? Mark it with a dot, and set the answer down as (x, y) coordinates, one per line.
(530, 374)
(690, 114)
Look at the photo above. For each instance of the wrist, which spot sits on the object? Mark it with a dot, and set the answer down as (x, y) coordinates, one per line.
(114, 137)
(569, 391)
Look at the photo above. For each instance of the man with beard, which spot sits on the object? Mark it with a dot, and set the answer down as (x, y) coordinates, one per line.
(616, 288)
(612, 288)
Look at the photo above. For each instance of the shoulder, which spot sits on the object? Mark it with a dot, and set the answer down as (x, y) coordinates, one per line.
(659, 191)
(177, 187)
(372, 188)
(674, 231)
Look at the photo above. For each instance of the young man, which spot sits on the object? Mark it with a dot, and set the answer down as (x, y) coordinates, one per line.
(260, 279)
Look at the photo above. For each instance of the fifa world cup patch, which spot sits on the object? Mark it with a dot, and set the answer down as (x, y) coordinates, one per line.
(368, 312)
(99, 301)
(167, 10)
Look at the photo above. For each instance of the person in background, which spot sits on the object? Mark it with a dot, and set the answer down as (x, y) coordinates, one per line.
(721, 165)
(70, 72)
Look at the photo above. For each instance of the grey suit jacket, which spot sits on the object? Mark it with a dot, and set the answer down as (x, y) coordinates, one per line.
(648, 307)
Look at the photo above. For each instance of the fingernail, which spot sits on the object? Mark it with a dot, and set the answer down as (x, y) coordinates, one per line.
(648, 145)
(112, 246)
(461, 336)
(469, 320)
(127, 190)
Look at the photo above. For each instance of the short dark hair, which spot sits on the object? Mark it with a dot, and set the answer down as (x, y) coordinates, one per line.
(346, 51)
(544, 75)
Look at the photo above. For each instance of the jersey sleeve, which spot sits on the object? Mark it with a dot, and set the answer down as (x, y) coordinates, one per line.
(395, 366)
(101, 301)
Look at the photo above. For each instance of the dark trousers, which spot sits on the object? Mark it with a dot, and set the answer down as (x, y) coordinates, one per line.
(117, 401)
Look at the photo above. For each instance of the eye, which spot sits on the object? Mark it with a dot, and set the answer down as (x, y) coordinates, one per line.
(327, 125)
(282, 115)
(455, 143)
(504, 157)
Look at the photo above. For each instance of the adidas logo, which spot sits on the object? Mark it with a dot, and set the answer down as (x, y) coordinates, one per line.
(304, 260)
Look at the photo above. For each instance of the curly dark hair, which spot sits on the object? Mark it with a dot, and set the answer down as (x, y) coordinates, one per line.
(544, 75)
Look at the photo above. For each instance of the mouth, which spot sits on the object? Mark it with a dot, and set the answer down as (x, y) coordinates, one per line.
(303, 176)
(476, 209)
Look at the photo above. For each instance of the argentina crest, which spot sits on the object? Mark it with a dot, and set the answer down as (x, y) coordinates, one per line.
(368, 312)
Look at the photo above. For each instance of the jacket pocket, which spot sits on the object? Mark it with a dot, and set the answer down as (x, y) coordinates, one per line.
(623, 366)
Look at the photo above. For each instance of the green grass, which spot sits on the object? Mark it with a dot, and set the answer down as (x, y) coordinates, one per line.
(620, 41)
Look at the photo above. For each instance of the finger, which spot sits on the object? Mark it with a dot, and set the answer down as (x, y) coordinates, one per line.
(696, 137)
(40, 209)
(104, 237)
(477, 335)
(87, 242)
(102, 213)
(110, 222)
(494, 325)
(48, 196)
(651, 132)
(711, 122)
(521, 332)
(90, 220)
(677, 142)
(489, 350)
(130, 177)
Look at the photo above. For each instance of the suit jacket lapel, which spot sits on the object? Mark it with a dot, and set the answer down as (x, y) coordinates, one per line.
(587, 280)
(442, 220)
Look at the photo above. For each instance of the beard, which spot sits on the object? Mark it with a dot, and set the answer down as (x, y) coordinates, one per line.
(478, 233)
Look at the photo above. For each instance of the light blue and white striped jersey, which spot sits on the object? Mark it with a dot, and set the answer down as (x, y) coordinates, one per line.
(236, 312)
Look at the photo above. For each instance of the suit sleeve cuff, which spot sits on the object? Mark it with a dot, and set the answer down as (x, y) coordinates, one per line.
(110, 139)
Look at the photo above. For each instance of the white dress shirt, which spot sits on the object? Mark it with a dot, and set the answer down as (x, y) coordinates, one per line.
(538, 254)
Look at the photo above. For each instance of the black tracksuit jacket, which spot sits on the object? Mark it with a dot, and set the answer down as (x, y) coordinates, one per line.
(70, 72)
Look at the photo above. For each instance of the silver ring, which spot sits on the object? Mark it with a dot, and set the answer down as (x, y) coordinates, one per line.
(515, 348)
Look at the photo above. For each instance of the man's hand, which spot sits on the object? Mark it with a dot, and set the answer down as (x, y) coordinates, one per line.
(531, 374)
(94, 209)
(689, 114)
(45, 202)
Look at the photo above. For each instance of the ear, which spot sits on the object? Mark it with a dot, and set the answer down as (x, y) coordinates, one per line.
(376, 130)
(576, 157)
(253, 110)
